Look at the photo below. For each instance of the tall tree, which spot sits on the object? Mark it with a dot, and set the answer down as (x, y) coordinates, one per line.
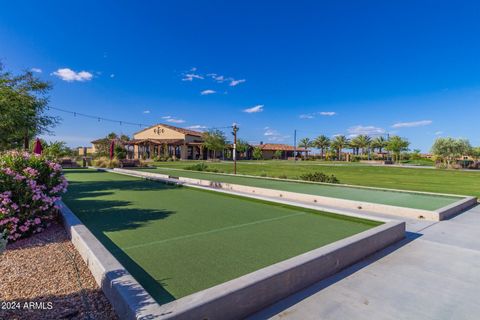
(112, 135)
(242, 147)
(214, 140)
(257, 153)
(363, 142)
(305, 143)
(450, 149)
(339, 143)
(23, 102)
(322, 142)
(379, 143)
(354, 144)
(396, 145)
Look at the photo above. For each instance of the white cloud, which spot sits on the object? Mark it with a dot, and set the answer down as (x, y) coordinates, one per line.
(146, 111)
(173, 120)
(197, 127)
(314, 114)
(190, 75)
(327, 113)
(274, 136)
(235, 83)
(412, 124)
(219, 78)
(306, 116)
(368, 130)
(69, 75)
(112, 75)
(255, 109)
(437, 133)
(207, 92)
(37, 70)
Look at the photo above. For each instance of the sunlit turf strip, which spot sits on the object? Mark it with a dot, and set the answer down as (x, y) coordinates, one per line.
(401, 199)
(429, 180)
(179, 240)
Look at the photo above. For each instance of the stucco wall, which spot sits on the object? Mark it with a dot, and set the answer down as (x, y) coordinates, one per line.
(159, 132)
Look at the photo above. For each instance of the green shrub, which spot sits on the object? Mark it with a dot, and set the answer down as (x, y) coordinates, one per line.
(319, 177)
(198, 167)
(282, 176)
(120, 152)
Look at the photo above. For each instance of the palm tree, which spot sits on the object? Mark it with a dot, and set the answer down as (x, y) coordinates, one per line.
(322, 142)
(305, 143)
(397, 144)
(355, 145)
(379, 142)
(339, 143)
(364, 142)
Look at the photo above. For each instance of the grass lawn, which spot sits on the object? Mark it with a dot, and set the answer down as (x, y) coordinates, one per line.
(178, 240)
(401, 199)
(417, 179)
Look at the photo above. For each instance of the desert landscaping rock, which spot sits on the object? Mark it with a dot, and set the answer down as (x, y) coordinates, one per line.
(44, 277)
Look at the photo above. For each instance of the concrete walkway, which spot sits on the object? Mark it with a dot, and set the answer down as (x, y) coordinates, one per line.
(433, 274)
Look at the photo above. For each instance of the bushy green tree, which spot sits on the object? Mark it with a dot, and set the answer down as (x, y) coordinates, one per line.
(214, 140)
(242, 146)
(449, 149)
(120, 152)
(257, 153)
(23, 105)
(277, 154)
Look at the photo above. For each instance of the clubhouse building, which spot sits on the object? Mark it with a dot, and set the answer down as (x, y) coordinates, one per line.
(163, 140)
(166, 141)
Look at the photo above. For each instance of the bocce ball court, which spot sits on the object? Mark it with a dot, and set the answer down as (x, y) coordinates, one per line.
(177, 240)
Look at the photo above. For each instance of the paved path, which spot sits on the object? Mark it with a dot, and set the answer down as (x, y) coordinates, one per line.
(433, 274)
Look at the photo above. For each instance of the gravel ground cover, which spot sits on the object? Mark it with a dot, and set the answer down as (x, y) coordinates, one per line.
(44, 277)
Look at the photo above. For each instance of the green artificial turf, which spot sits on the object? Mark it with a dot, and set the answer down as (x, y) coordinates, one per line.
(417, 179)
(178, 240)
(402, 199)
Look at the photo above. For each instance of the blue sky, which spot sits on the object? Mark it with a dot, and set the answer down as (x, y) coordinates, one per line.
(410, 68)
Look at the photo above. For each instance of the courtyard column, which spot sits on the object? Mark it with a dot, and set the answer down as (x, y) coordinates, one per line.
(183, 151)
(135, 152)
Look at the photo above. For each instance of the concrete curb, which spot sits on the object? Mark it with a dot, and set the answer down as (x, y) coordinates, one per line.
(456, 207)
(234, 299)
(434, 215)
(245, 295)
(128, 298)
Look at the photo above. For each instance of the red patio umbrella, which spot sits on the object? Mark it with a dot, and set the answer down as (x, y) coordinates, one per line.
(37, 148)
(112, 147)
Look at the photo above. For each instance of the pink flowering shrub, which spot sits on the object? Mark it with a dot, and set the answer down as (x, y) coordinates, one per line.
(29, 187)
